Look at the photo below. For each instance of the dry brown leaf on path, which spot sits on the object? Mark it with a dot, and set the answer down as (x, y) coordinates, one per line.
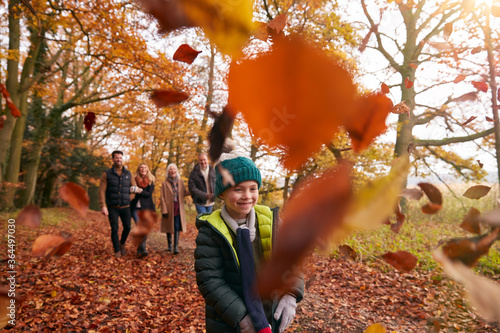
(30, 216)
(76, 197)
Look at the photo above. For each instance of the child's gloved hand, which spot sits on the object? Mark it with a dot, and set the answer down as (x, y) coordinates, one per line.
(246, 325)
(285, 311)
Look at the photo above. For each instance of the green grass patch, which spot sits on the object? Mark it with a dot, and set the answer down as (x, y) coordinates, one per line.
(421, 233)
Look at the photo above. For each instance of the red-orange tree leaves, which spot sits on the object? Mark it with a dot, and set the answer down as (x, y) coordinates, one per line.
(483, 86)
(13, 108)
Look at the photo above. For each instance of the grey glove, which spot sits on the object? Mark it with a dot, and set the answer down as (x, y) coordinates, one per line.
(133, 189)
(246, 325)
(285, 311)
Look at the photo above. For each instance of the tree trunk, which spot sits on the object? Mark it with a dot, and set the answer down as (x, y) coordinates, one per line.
(31, 174)
(12, 82)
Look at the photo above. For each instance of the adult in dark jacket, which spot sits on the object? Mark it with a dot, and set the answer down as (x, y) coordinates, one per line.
(143, 200)
(201, 185)
(114, 199)
(232, 243)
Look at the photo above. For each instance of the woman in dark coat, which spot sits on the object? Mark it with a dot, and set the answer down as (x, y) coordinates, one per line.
(143, 199)
(173, 213)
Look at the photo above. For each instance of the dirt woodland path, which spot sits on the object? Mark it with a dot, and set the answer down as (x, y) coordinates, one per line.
(89, 290)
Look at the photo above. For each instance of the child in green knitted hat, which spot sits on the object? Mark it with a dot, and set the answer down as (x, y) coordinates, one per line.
(232, 244)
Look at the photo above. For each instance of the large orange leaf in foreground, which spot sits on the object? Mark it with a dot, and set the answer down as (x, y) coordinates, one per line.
(296, 97)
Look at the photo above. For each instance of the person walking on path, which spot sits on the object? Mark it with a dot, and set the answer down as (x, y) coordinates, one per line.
(232, 244)
(173, 219)
(143, 200)
(202, 185)
(114, 198)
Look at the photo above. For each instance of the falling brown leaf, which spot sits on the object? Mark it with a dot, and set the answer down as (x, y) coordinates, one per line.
(30, 216)
(483, 294)
(147, 220)
(469, 250)
(170, 14)
(384, 88)
(52, 245)
(278, 23)
(294, 88)
(89, 121)
(400, 218)
(260, 31)
(164, 98)
(323, 200)
(492, 218)
(346, 252)
(480, 164)
(471, 96)
(435, 197)
(368, 122)
(76, 197)
(468, 121)
(401, 108)
(459, 78)
(448, 29)
(13, 108)
(477, 191)
(489, 119)
(3, 118)
(408, 83)
(482, 86)
(185, 53)
(412, 193)
(476, 50)
(401, 260)
(220, 130)
(470, 222)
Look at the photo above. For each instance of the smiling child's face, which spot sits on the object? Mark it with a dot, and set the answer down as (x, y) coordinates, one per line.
(240, 199)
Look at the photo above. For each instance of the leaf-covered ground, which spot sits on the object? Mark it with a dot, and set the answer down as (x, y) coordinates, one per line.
(89, 290)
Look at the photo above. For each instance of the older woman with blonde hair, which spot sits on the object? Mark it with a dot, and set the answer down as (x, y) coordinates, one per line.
(172, 197)
(143, 200)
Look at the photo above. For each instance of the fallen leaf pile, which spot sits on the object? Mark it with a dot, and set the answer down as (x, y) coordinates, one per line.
(88, 289)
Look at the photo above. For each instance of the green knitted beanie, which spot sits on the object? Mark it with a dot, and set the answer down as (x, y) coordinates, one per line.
(240, 167)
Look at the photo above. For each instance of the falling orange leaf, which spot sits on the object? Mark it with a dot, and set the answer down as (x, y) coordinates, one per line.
(408, 83)
(89, 121)
(495, 11)
(260, 31)
(315, 209)
(164, 98)
(401, 260)
(146, 223)
(52, 245)
(476, 50)
(471, 118)
(170, 14)
(470, 222)
(30, 216)
(489, 119)
(278, 23)
(469, 250)
(435, 197)
(76, 197)
(401, 108)
(482, 86)
(294, 88)
(470, 96)
(186, 53)
(459, 78)
(480, 164)
(477, 191)
(385, 88)
(368, 121)
(448, 29)
(13, 108)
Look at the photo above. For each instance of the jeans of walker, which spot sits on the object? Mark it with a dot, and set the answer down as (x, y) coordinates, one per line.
(124, 215)
(203, 209)
(177, 223)
(142, 246)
